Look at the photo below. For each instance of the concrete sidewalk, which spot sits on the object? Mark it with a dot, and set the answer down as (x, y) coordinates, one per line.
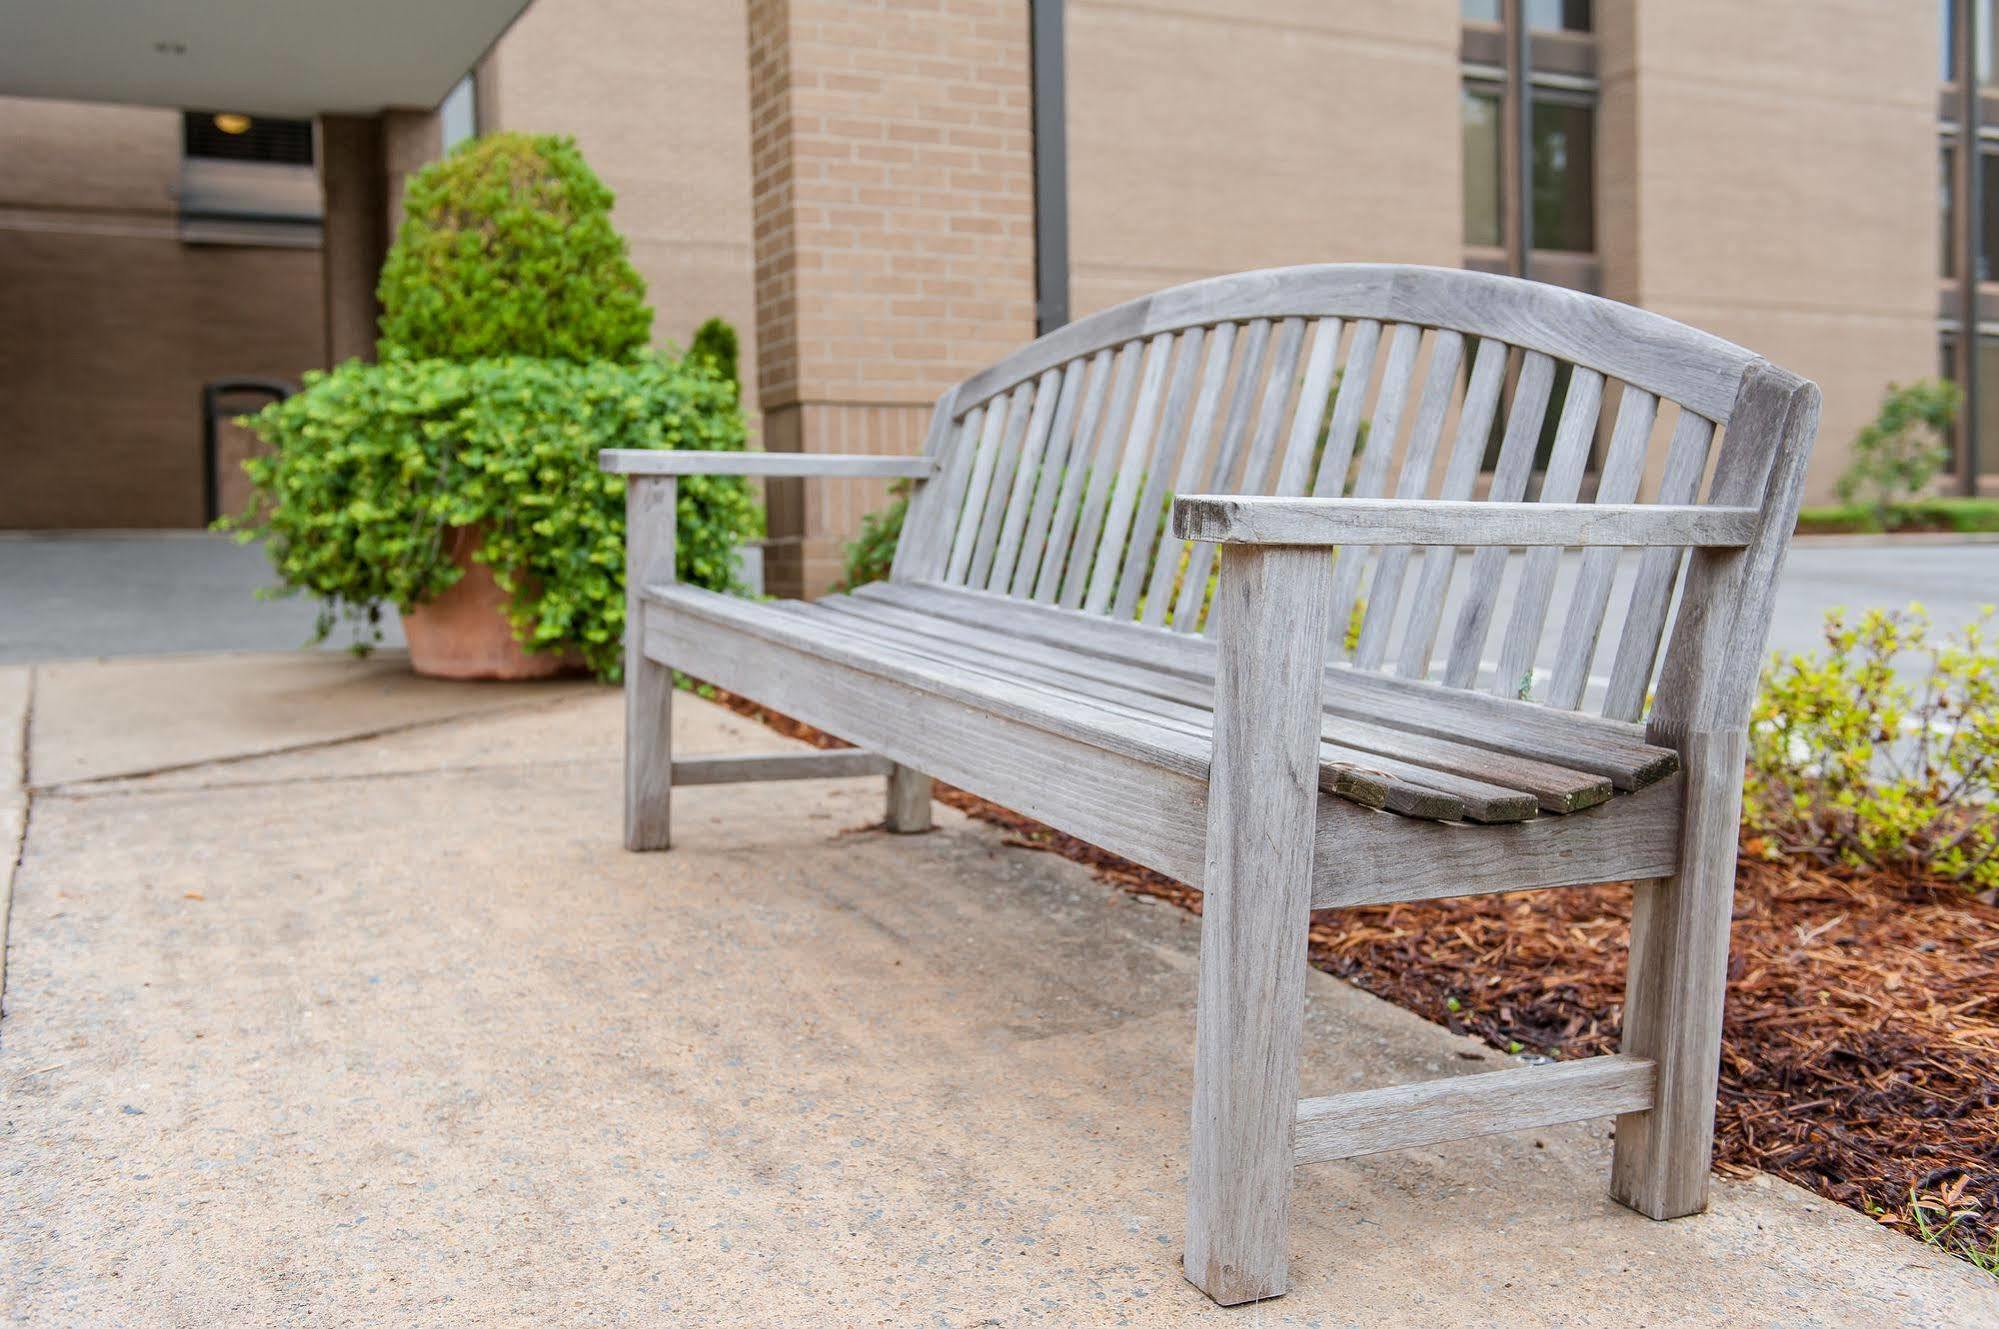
(388, 1031)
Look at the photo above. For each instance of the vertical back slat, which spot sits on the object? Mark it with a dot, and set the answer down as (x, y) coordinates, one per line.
(1201, 554)
(1020, 408)
(1168, 440)
(1564, 480)
(1270, 415)
(1509, 484)
(1373, 476)
(1111, 437)
(1446, 355)
(1193, 467)
(924, 549)
(1054, 472)
(1355, 381)
(1075, 473)
(966, 535)
(1026, 475)
(1658, 569)
(1138, 445)
(1426, 606)
(1623, 469)
(1295, 472)
(1270, 411)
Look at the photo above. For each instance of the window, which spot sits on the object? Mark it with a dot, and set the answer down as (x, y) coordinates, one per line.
(1558, 15)
(458, 114)
(1988, 204)
(230, 136)
(1555, 185)
(247, 180)
(1564, 175)
(1483, 224)
(1947, 209)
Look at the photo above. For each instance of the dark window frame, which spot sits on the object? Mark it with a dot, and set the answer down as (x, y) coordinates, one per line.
(269, 140)
(1561, 71)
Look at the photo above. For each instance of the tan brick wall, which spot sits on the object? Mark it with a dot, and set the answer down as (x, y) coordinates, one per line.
(1215, 138)
(894, 221)
(1782, 191)
(111, 324)
(656, 93)
(894, 194)
(814, 519)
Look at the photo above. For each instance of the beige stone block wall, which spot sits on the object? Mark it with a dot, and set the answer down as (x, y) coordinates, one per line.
(79, 157)
(111, 324)
(1215, 138)
(656, 94)
(1781, 186)
(893, 203)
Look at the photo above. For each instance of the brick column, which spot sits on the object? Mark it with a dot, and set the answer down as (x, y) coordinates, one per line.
(353, 241)
(363, 161)
(892, 158)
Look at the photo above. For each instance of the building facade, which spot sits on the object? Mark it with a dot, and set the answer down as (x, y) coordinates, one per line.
(866, 187)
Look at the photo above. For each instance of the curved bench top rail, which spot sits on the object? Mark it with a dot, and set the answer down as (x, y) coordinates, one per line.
(1647, 350)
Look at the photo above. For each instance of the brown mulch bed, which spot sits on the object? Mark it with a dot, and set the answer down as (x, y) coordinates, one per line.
(1860, 1052)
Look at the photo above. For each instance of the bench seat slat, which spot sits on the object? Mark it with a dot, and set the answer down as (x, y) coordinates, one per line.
(1569, 739)
(1554, 788)
(1413, 787)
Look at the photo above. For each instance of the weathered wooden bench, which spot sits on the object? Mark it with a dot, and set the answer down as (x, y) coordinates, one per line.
(1046, 641)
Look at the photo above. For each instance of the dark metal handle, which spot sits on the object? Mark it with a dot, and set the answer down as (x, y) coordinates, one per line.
(212, 393)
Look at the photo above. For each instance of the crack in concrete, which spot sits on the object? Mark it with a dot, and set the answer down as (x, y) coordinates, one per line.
(19, 850)
(80, 790)
(311, 745)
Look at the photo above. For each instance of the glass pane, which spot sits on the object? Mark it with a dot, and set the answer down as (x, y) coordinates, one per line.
(1481, 124)
(1565, 177)
(458, 115)
(1558, 15)
(1947, 208)
(1986, 459)
(1988, 202)
(1984, 39)
(1480, 11)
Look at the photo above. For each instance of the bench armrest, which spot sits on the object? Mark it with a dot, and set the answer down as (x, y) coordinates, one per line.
(1230, 519)
(645, 461)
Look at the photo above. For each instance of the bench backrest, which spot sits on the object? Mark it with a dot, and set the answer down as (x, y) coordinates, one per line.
(1057, 465)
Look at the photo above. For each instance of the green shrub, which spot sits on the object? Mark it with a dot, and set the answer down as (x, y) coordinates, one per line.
(1898, 456)
(1850, 762)
(869, 555)
(507, 249)
(716, 340)
(372, 463)
(1963, 516)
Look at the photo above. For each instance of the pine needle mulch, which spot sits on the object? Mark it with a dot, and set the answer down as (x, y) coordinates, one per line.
(1860, 1053)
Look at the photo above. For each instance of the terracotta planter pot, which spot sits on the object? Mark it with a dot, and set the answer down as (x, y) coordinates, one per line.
(464, 633)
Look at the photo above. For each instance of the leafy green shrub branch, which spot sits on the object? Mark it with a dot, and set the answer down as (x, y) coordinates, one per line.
(371, 465)
(1899, 455)
(1852, 762)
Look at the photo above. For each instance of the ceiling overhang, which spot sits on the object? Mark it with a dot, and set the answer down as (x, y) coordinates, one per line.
(264, 57)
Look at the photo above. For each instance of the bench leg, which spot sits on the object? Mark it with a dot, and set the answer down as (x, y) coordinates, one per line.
(908, 800)
(648, 756)
(649, 539)
(1262, 805)
(1674, 992)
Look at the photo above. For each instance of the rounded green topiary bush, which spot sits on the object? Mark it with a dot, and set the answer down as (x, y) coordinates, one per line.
(507, 249)
(513, 350)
